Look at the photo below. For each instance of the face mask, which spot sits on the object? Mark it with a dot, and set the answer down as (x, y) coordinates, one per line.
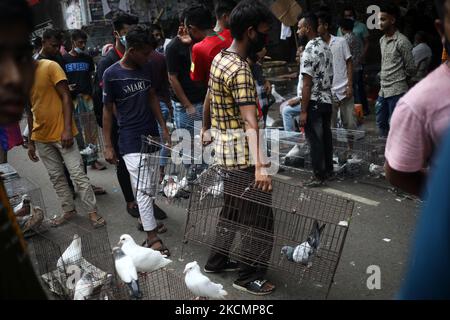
(257, 45)
(123, 41)
(78, 50)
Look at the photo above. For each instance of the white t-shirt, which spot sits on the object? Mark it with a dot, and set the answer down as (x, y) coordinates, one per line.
(341, 53)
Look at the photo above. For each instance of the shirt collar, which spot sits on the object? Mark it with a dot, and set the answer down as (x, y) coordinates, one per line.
(394, 36)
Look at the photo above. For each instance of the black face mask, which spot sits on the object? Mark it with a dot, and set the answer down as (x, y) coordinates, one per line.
(256, 45)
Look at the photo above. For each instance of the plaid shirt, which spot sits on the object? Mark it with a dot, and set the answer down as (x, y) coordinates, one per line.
(231, 86)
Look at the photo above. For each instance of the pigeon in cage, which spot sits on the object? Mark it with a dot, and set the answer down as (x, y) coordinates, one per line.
(127, 272)
(107, 291)
(24, 207)
(172, 188)
(215, 190)
(305, 251)
(84, 287)
(144, 259)
(72, 255)
(200, 285)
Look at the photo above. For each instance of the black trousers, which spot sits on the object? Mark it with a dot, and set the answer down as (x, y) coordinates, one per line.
(320, 139)
(121, 170)
(256, 232)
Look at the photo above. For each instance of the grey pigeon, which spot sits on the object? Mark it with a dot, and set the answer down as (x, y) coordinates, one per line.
(84, 287)
(127, 272)
(304, 252)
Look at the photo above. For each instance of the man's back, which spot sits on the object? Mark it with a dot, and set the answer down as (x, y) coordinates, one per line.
(46, 104)
(79, 70)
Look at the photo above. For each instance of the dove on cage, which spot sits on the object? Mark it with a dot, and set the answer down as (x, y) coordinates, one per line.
(144, 259)
(200, 285)
(127, 272)
(72, 255)
(306, 250)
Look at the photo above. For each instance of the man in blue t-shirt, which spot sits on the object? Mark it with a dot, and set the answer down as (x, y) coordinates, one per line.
(128, 86)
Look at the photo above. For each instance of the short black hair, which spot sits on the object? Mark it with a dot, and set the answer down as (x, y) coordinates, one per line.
(311, 20)
(224, 7)
(121, 18)
(391, 9)
(248, 13)
(200, 17)
(155, 26)
(52, 34)
(140, 36)
(346, 24)
(349, 7)
(325, 17)
(16, 11)
(440, 8)
(78, 34)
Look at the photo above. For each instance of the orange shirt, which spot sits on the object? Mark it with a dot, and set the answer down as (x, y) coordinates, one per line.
(46, 104)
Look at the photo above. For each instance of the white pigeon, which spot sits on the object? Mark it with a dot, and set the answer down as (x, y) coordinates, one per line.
(72, 255)
(127, 272)
(304, 252)
(278, 98)
(144, 259)
(84, 287)
(200, 285)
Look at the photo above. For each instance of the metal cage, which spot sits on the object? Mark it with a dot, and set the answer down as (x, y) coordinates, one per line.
(228, 215)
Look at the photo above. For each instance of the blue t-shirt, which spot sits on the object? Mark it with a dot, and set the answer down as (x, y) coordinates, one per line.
(129, 91)
(428, 276)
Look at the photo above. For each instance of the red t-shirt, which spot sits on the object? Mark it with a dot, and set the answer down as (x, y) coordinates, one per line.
(226, 33)
(203, 54)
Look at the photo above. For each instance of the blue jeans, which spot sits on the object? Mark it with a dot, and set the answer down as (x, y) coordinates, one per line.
(165, 153)
(384, 109)
(288, 114)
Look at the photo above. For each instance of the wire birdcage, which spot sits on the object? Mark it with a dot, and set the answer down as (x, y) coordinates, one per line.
(74, 260)
(166, 173)
(228, 215)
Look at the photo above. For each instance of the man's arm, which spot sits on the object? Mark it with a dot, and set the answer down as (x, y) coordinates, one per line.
(110, 154)
(156, 110)
(205, 134)
(306, 98)
(31, 146)
(408, 58)
(350, 78)
(179, 92)
(62, 88)
(410, 182)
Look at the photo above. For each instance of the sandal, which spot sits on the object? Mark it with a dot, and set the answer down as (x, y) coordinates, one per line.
(97, 223)
(98, 191)
(58, 221)
(256, 287)
(163, 249)
(160, 226)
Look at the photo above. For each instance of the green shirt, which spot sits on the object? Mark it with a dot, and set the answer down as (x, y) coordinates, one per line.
(360, 30)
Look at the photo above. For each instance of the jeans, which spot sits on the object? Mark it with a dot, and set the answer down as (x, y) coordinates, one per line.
(165, 153)
(54, 157)
(288, 114)
(384, 109)
(257, 241)
(320, 139)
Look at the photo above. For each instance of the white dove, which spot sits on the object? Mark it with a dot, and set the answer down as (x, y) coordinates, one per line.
(127, 272)
(84, 287)
(200, 285)
(144, 259)
(72, 255)
(172, 187)
(278, 98)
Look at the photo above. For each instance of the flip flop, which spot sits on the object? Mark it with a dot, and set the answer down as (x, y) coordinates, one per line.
(97, 223)
(58, 221)
(163, 249)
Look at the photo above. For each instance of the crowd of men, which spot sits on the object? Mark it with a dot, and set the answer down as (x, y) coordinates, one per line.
(212, 75)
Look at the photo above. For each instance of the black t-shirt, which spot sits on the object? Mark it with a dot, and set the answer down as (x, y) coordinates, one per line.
(79, 70)
(179, 62)
(58, 59)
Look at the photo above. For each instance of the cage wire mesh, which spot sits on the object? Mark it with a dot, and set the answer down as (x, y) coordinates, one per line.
(253, 226)
(90, 136)
(28, 205)
(167, 173)
(74, 260)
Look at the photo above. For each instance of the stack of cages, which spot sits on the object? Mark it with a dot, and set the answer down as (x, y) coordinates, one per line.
(74, 261)
(28, 205)
(354, 152)
(89, 138)
(229, 215)
(167, 173)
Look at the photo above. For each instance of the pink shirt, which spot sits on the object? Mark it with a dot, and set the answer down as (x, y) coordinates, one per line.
(420, 120)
